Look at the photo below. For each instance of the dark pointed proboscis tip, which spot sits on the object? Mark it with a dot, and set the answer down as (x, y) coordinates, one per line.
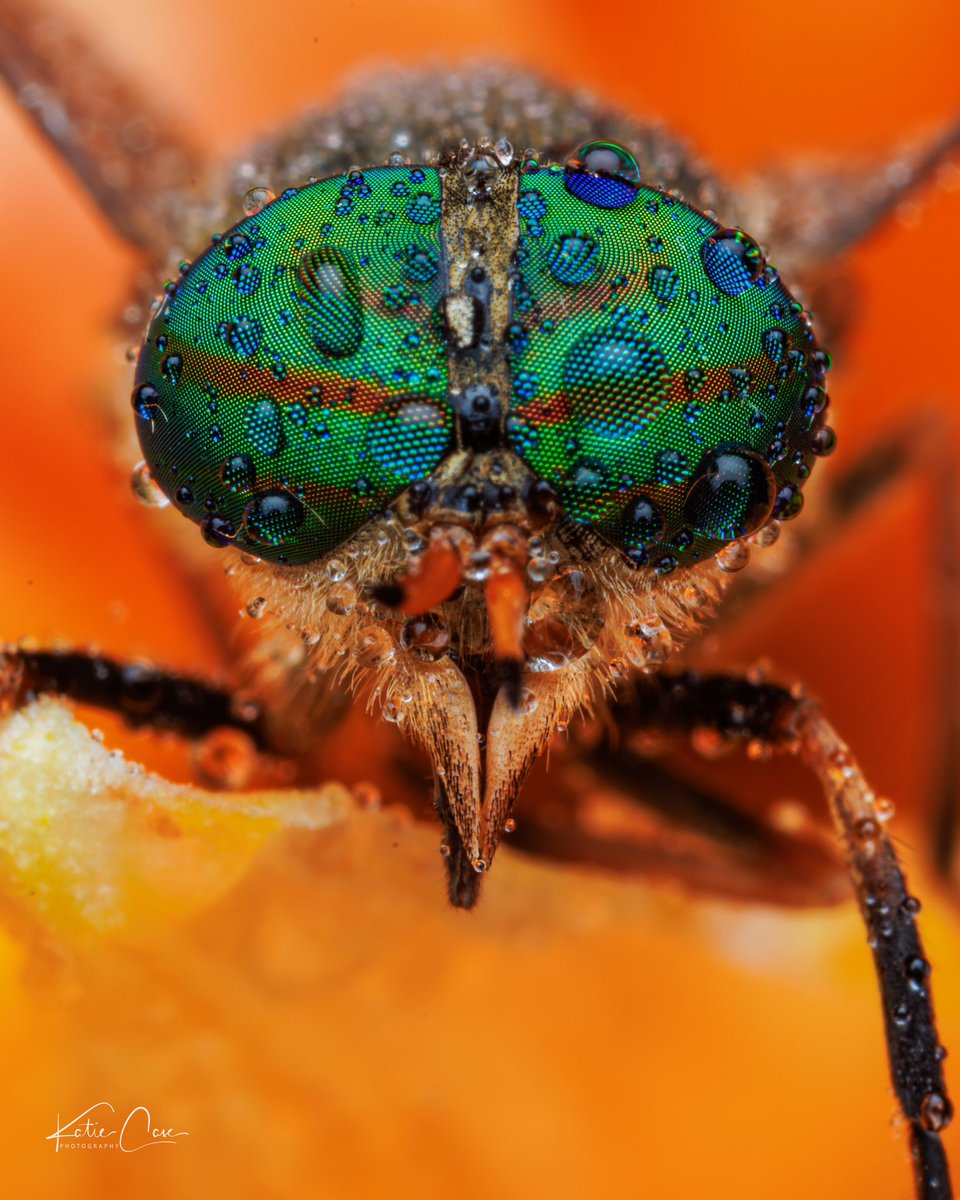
(463, 882)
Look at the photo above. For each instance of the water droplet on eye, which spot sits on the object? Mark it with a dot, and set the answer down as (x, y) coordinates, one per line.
(731, 496)
(670, 466)
(408, 437)
(236, 246)
(217, 531)
(732, 261)
(238, 473)
(643, 524)
(426, 637)
(604, 174)
(145, 487)
(774, 343)
(146, 402)
(265, 426)
(331, 302)
(171, 368)
(245, 336)
(257, 199)
(341, 600)
(663, 281)
(573, 258)
(423, 209)
(419, 264)
(733, 557)
(246, 279)
(615, 381)
(273, 516)
(936, 1112)
(374, 647)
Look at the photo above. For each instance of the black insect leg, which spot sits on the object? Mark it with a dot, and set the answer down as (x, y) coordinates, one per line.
(144, 696)
(741, 710)
(121, 149)
(918, 452)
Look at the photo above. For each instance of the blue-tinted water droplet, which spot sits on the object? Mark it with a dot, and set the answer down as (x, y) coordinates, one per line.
(573, 258)
(774, 342)
(732, 261)
(615, 381)
(236, 246)
(604, 174)
(670, 466)
(663, 281)
(423, 209)
(246, 278)
(419, 264)
(146, 401)
(171, 368)
(245, 336)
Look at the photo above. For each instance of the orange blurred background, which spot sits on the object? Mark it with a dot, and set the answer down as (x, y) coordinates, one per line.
(327, 1026)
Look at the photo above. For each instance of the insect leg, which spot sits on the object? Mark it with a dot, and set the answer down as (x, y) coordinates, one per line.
(142, 695)
(919, 450)
(740, 710)
(120, 148)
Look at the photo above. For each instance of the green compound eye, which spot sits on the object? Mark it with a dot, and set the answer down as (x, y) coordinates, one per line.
(294, 381)
(665, 383)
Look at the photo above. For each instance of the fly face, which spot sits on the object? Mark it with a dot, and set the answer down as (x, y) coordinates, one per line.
(492, 429)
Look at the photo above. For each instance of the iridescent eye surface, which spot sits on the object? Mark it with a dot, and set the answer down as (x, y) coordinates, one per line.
(665, 382)
(295, 380)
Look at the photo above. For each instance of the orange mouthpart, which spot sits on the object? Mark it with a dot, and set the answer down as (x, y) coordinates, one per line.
(507, 599)
(438, 575)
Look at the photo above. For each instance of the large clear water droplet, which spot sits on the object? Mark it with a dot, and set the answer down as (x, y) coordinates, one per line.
(331, 301)
(272, 517)
(731, 495)
(604, 174)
